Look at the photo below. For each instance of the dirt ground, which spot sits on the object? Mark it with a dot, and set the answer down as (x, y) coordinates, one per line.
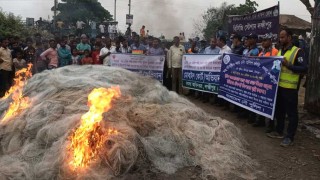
(301, 161)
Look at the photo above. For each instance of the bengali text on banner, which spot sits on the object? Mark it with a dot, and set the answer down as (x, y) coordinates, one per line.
(201, 72)
(251, 82)
(142, 64)
(259, 23)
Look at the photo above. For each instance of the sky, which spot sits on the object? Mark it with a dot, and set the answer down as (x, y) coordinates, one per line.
(168, 17)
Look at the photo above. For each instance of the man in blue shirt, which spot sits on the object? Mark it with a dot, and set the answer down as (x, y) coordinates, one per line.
(155, 50)
(252, 49)
(237, 47)
(212, 49)
(137, 45)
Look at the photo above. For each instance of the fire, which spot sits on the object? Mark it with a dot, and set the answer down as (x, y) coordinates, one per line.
(87, 140)
(19, 102)
(20, 80)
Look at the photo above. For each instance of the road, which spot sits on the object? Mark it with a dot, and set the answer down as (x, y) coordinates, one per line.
(301, 161)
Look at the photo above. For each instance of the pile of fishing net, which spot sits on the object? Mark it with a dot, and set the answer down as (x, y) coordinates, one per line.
(157, 129)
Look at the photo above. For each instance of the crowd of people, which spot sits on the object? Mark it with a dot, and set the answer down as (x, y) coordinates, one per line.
(82, 50)
(47, 54)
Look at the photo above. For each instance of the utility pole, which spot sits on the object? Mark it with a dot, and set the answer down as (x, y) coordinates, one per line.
(115, 10)
(55, 14)
(129, 7)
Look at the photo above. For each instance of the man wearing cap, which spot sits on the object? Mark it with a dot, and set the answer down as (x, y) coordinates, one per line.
(83, 45)
(293, 66)
(268, 50)
(252, 49)
(237, 47)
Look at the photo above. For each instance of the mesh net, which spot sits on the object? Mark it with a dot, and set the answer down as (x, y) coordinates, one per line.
(157, 129)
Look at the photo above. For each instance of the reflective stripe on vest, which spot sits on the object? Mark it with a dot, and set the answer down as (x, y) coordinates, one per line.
(289, 79)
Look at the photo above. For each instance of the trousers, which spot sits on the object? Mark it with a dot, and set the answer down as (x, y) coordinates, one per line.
(5, 81)
(177, 80)
(287, 106)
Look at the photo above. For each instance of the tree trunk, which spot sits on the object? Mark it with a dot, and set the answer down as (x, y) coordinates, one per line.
(312, 99)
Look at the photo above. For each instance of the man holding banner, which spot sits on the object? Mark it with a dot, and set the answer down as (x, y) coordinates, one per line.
(267, 51)
(293, 66)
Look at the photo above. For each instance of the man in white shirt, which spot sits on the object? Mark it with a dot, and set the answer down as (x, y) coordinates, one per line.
(222, 44)
(5, 66)
(175, 54)
(79, 25)
(125, 48)
(224, 48)
(101, 27)
(106, 51)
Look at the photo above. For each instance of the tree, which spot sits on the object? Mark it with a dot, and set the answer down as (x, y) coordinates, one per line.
(312, 98)
(217, 17)
(85, 10)
(10, 25)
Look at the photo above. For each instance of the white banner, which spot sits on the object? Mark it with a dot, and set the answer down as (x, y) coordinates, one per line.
(142, 64)
(201, 72)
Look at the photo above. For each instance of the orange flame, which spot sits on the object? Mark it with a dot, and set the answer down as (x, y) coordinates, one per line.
(89, 138)
(20, 80)
(19, 102)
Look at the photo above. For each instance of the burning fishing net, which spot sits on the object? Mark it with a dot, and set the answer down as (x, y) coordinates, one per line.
(19, 102)
(95, 122)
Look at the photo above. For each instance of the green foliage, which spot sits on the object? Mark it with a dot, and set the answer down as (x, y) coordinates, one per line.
(217, 17)
(85, 10)
(10, 25)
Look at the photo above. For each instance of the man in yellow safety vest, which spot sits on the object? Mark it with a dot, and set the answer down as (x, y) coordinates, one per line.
(293, 66)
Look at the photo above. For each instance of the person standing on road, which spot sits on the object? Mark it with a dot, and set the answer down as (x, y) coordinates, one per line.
(293, 66)
(175, 64)
(5, 66)
(267, 51)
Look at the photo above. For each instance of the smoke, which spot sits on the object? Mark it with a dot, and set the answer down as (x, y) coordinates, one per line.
(159, 17)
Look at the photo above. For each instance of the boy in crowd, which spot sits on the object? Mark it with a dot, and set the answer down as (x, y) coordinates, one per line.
(18, 62)
(87, 59)
(64, 54)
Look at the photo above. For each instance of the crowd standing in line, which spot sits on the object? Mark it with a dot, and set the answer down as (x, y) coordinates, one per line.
(79, 49)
